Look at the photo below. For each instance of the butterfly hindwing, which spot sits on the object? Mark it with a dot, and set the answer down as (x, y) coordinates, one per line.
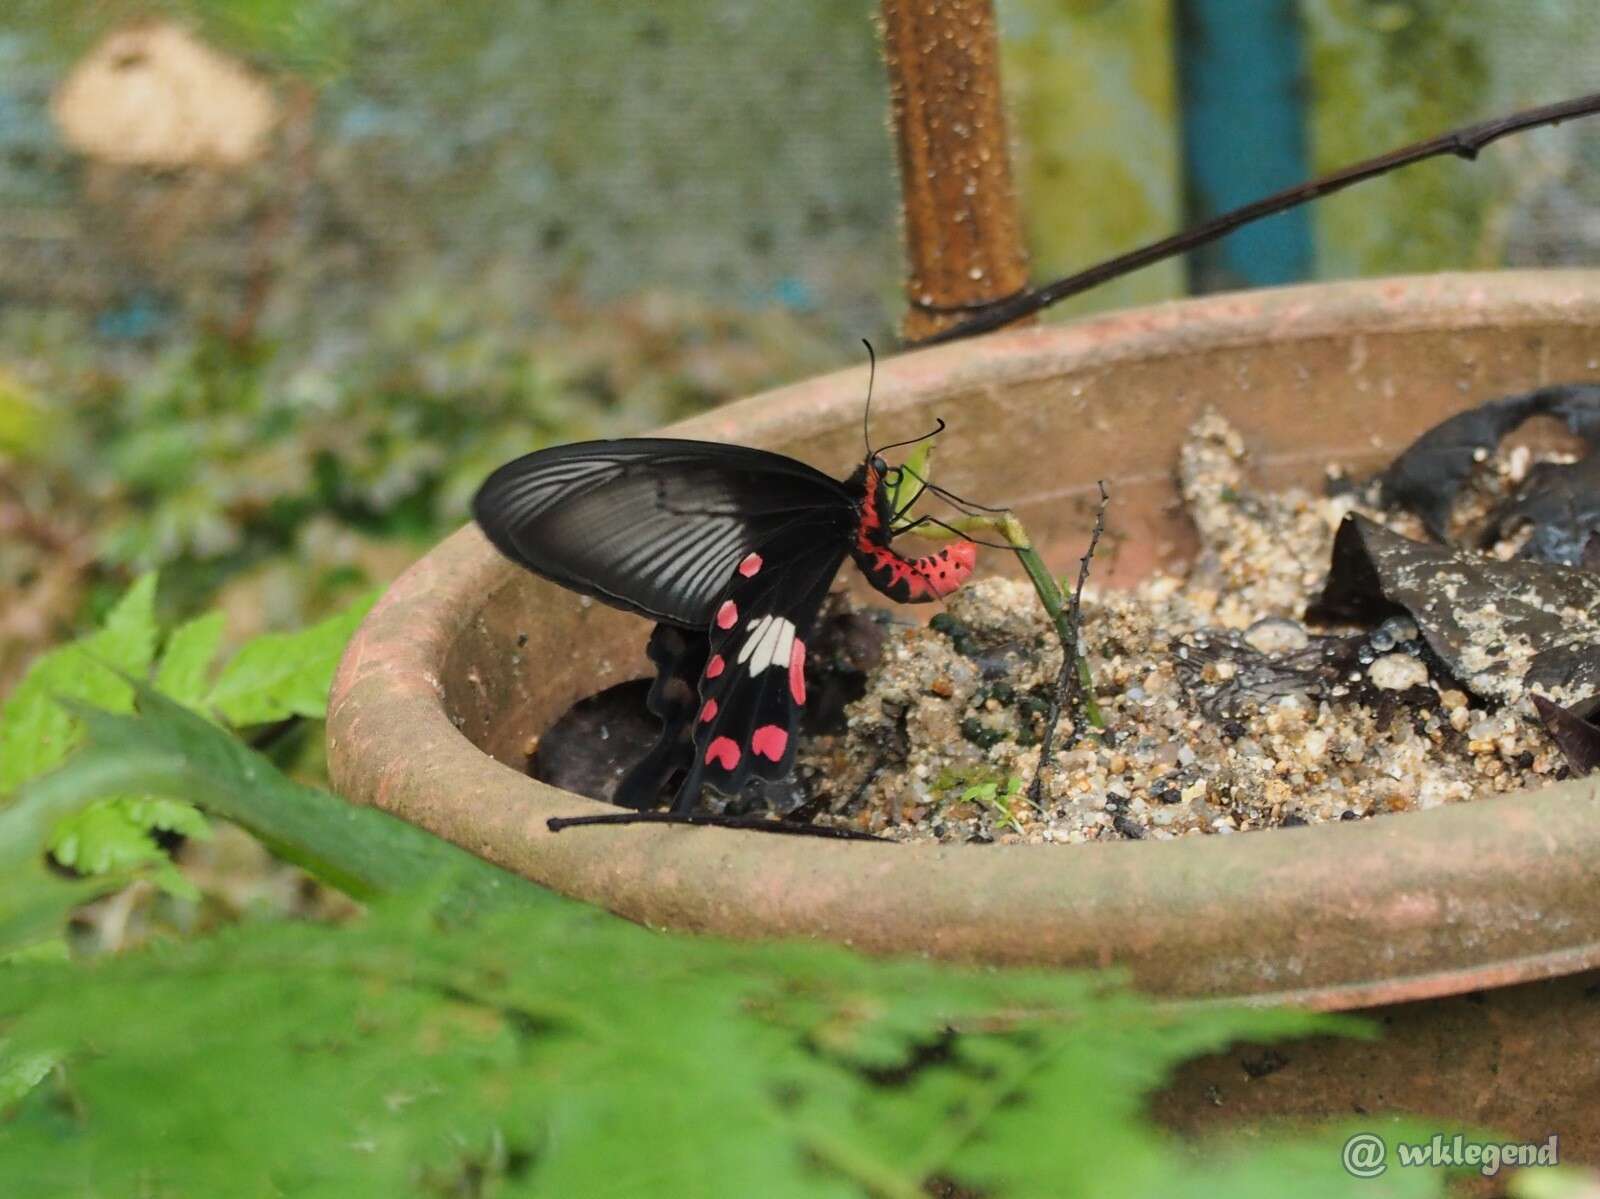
(753, 686)
(652, 525)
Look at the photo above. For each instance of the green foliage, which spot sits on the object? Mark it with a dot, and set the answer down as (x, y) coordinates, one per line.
(167, 750)
(271, 678)
(549, 1049)
(35, 731)
(191, 649)
(1000, 799)
(308, 37)
(1004, 797)
(279, 675)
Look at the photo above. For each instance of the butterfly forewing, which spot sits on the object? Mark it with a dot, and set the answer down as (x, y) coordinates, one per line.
(653, 525)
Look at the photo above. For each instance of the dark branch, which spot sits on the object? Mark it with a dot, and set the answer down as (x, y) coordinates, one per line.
(1463, 143)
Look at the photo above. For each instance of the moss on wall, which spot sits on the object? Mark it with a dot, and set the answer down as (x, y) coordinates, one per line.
(1385, 72)
(1093, 100)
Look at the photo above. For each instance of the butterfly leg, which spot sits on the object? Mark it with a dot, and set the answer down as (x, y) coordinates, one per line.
(680, 657)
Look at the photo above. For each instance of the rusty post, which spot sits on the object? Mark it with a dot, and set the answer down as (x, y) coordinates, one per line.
(962, 227)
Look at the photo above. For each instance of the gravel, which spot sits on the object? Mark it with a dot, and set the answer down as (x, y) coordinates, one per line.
(1223, 713)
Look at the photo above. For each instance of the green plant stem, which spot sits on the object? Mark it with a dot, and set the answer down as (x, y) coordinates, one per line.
(1044, 585)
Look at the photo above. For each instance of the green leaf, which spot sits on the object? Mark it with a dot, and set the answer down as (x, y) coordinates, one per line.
(187, 659)
(21, 1072)
(915, 471)
(102, 838)
(279, 675)
(35, 731)
(114, 835)
(513, 1053)
(168, 751)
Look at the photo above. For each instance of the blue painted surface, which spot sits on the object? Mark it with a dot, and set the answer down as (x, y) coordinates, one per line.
(1242, 75)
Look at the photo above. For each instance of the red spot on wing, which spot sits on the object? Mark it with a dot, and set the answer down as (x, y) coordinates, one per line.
(724, 752)
(727, 614)
(751, 564)
(770, 741)
(797, 671)
(715, 666)
(709, 711)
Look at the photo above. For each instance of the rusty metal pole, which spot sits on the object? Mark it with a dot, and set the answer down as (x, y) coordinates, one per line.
(963, 230)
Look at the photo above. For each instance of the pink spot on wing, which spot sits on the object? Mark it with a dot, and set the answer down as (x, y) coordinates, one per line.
(715, 666)
(751, 564)
(724, 752)
(797, 671)
(770, 741)
(727, 614)
(709, 711)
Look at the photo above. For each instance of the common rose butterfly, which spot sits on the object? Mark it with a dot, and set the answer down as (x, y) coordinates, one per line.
(732, 551)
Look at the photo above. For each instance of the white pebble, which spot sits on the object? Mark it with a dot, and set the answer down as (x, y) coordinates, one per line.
(1275, 635)
(1397, 672)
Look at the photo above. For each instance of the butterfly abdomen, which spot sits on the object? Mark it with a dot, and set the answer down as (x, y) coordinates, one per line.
(917, 580)
(905, 580)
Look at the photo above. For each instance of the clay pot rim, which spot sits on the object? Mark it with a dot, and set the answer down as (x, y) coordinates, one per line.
(392, 745)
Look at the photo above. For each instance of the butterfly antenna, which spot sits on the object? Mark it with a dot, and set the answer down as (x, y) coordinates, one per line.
(937, 429)
(866, 415)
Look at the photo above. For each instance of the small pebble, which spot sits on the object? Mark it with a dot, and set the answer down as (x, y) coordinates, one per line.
(1397, 672)
(1276, 635)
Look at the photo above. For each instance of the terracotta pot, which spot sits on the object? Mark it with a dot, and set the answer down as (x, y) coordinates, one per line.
(467, 659)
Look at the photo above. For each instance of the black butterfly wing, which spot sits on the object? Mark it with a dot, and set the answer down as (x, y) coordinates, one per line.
(651, 525)
(753, 686)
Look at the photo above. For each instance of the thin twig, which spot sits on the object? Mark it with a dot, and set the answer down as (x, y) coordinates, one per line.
(703, 820)
(1463, 143)
(1072, 683)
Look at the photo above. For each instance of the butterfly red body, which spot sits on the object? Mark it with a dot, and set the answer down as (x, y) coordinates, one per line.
(906, 580)
(732, 551)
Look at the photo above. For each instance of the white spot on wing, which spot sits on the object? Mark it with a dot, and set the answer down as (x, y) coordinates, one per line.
(769, 643)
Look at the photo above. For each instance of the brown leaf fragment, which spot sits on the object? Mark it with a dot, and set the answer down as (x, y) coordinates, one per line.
(1560, 501)
(1575, 737)
(1501, 628)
